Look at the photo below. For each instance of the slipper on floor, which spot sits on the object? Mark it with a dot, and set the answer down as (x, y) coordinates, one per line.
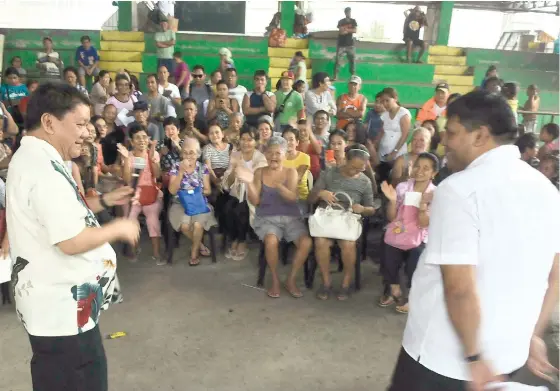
(273, 295)
(204, 251)
(294, 294)
(194, 262)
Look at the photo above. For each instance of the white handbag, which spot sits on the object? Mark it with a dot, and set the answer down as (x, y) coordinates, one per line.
(335, 222)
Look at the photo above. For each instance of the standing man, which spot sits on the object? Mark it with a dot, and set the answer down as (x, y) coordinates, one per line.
(165, 43)
(200, 91)
(351, 106)
(160, 106)
(167, 89)
(192, 126)
(48, 61)
(64, 267)
(414, 22)
(289, 104)
(345, 44)
(258, 102)
(236, 90)
(88, 60)
(487, 281)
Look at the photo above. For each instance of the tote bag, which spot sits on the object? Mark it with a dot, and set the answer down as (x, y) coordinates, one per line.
(335, 222)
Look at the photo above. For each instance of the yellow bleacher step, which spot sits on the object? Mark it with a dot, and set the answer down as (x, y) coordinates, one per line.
(454, 80)
(114, 74)
(123, 46)
(294, 43)
(445, 51)
(277, 72)
(117, 65)
(276, 62)
(446, 60)
(274, 80)
(121, 56)
(285, 52)
(460, 89)
(122, 36)
(451, 70)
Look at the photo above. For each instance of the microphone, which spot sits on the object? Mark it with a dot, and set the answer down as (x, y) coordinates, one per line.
(138, 165)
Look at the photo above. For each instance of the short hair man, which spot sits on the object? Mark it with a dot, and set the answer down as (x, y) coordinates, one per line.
(59, 301)
(88, 60)
(484, 257)
(165, 45)
(48, 61)
(347, 27)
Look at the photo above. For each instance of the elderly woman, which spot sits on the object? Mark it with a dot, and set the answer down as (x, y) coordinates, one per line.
(123, 98)
(350, 179)
(188, 175)
(273, 190)
(319, 97)
(100, 92)
(402, 168)
(60, 300)
(238, 210)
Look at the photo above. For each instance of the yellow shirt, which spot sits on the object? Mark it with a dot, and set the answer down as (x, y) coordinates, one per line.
(302, 159)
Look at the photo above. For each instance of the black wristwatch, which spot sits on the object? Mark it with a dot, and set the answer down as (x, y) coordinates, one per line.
(473, 358)
(103, 203)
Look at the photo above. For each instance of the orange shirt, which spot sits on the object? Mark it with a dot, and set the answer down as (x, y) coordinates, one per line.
(349, 103)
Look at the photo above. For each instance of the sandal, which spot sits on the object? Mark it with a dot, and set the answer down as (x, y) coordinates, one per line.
(272, 295)
(402, 308)
(324, 292)
(194, 262)
(230, 254)
(204, 251)
(295, 294)
(239, 256)
(386, 301)
(343, 294)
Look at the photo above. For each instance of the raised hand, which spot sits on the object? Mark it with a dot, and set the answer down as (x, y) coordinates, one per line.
(389, 191)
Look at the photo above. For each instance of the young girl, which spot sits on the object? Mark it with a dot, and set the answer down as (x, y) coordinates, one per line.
(301, 162)
(148, 196)
(222, 106)
(549, 136)
(407, 232)
(308, 144)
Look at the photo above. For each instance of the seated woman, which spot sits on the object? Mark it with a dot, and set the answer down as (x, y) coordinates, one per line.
(149, 199)
(299, 161)
(348, 178)
(357, 134)
(190, 174)
(436, 147)
(237, 210)
(265, 132)
(409, 220)
(308, 144)
(273, 190)
(402, 167)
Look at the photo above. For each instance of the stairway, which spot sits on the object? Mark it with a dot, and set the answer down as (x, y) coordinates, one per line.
(280, 59)
(451, 67)
(121, 50)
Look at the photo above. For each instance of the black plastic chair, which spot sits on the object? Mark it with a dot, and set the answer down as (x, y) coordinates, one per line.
(173, 239)
(284, 248)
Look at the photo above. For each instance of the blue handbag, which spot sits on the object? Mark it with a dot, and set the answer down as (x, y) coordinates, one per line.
(193, 201)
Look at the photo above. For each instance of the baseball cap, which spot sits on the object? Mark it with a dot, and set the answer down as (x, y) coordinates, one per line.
(140, 105)
(288, 75)
(443, 87)
(355, 79)
(299, 53)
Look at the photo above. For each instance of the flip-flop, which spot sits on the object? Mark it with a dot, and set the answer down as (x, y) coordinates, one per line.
(324, 292)
(294, 294)
(231, 254)
(194, 262)
(343, 294)
(401, 308)
(386, 301)
(204, 251)
(273, 295)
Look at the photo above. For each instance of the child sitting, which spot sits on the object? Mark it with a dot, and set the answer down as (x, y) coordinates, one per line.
(549, 136)
(373, 119)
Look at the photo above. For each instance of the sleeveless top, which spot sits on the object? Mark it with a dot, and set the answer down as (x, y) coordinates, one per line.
(349, 103)
(255, 100)
(272, 204)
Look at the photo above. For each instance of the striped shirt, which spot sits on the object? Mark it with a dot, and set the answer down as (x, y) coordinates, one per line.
(218, 159)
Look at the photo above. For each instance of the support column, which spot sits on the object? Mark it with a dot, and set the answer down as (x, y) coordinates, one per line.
(287, 8)
(444, 25)
(125, 16)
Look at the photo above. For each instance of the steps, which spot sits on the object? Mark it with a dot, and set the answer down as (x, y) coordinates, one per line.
(280, 58)
(451, 67)
(122, 50)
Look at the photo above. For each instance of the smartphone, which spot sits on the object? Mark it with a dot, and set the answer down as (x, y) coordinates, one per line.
(329, 155)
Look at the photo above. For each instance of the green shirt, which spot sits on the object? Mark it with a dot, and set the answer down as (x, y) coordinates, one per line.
(291, 106)
(165, 36)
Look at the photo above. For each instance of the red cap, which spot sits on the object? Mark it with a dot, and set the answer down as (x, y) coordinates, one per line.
(288, 75)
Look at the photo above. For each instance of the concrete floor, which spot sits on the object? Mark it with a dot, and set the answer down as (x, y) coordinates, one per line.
(200, 329)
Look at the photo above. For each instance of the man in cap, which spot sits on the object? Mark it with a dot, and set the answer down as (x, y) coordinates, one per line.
(345, 44)
(289, 104)
(352, 105)
(141, 111)
(435, 107)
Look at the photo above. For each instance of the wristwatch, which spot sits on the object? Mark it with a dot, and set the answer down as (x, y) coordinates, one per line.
(473, 358)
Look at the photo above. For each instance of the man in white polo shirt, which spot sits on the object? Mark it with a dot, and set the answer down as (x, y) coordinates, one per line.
(64, 268)
(487, 281)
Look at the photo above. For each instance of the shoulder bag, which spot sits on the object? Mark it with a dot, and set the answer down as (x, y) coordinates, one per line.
(335, 222)
(193, 200)
(148, 193)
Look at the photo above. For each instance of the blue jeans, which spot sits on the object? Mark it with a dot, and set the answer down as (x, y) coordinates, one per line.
(169, 63)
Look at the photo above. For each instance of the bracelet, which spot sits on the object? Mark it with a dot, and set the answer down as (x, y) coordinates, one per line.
(102, 202)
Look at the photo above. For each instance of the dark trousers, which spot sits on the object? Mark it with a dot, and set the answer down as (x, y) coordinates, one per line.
(394, 258)
(383, 171)
(350, 52)
(71, 363)
(237, 219)
(220, 202)
(410, 375)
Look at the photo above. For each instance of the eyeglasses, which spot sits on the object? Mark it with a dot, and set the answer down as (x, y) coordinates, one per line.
(197, 76)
